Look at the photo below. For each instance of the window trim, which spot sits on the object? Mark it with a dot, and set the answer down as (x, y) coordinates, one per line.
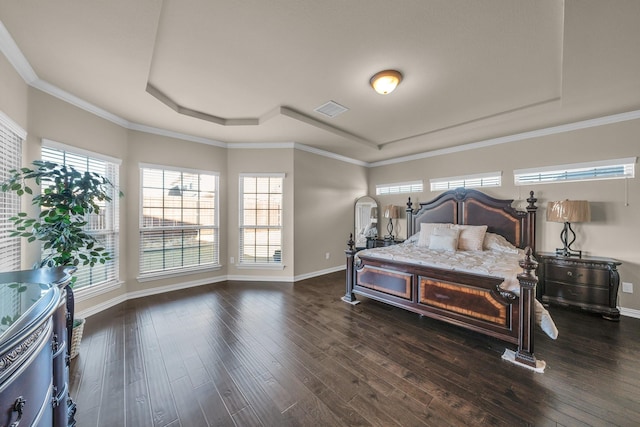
(179, 271)
(12, 246)
(405, 187)
(493, 179)
(550, 174)
(85, 292)
(259, 265)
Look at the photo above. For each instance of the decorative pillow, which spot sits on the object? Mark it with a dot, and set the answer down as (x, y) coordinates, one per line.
(444, 239)
(443, 243)
(471, 237)
(425, 232)
(496, 242)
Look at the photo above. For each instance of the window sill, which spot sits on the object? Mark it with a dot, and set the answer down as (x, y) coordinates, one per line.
(89, 292)
(260, 266)
(176, 273)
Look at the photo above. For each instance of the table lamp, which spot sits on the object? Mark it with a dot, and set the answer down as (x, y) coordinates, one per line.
(568, 211)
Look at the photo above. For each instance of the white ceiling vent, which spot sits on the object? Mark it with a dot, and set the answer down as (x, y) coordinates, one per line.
(331, 109)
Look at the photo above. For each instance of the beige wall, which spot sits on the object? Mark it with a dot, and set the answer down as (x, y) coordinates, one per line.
(325, 193)
(13, 94)
(614, 231)
(260, 161)
(167, 152)
(59, 121)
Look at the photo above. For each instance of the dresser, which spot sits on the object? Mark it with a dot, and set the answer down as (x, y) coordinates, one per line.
(590, 283)
(34, 361)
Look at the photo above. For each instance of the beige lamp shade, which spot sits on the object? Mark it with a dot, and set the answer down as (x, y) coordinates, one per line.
(391, 212)
(571, 211)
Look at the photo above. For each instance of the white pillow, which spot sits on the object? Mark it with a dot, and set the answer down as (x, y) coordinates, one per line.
(425, 232)
(444, 239)
(496, 242)
(471, 237)
(443, 243)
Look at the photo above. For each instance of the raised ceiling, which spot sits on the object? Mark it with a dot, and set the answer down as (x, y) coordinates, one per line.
(254, 71)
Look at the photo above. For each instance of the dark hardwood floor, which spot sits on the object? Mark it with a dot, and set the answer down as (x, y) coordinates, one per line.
(266, 354)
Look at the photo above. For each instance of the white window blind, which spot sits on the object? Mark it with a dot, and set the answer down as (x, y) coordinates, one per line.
(261, 199)
(399, 188)
(104, 226)
(11, 146)
(489, 179)
(599, 170)
(178, 220)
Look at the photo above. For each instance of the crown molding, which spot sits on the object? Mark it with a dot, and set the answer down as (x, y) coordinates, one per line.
(69, 98)
(330, 155)
(15, 57)
(177, 135)
(569, 127)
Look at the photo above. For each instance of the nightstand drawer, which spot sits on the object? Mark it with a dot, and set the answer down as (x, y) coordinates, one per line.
(577, 293)
(578, 275)
(590, 283)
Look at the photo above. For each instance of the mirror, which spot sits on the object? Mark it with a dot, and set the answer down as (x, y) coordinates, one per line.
(366, 221)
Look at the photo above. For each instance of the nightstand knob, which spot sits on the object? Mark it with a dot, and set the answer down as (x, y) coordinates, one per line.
(570, 273)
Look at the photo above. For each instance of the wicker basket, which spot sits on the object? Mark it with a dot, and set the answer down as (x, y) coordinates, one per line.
(76, 336)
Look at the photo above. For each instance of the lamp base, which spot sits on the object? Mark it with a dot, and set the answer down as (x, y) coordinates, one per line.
(568, 253)
(389, 230)
(566, 234)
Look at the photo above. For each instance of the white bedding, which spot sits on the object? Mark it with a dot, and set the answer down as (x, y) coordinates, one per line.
(487, 262)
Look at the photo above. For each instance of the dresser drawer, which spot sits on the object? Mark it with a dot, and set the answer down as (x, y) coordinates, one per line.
(577, 293)
(577, 275)
(30, 382)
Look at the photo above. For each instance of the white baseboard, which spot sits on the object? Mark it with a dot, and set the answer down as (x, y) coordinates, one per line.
(630, 312)
(319, 273)
(184, 285)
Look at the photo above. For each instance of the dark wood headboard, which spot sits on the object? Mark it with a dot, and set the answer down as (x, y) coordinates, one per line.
(472, 207)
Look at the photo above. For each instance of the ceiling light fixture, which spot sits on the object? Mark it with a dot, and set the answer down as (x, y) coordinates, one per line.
(385, 81)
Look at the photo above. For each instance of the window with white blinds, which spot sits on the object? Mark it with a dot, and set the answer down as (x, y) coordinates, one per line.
(399, 188)
(11, 146)
(598, 170)
(104, 226)
(261, 197)
(178, 220)
(489, 179)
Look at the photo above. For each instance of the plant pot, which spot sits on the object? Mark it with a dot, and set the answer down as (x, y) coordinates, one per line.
(76, 336)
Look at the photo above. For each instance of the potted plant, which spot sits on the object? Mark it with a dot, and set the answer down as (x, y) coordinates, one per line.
(66, 199)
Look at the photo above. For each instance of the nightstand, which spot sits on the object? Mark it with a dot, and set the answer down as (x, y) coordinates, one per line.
(590, 283)
(379, 243)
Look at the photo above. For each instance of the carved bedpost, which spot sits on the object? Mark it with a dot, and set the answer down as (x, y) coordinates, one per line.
(528, 281)
(531, 222)
(349, 296)
(409, 211)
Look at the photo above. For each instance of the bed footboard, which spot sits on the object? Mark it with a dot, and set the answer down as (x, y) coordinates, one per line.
(471, 301)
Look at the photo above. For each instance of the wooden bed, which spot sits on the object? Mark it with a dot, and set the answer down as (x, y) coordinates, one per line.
(468, 300)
